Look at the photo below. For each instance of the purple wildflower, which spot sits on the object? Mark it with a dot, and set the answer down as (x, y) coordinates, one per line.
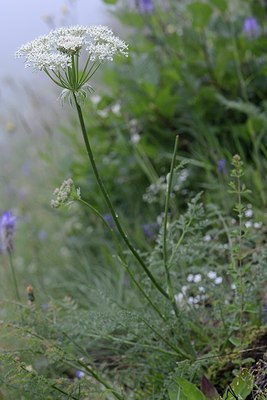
(7, 229)
(79, 374)
(146, 6)
(221, 166)
(251, 27)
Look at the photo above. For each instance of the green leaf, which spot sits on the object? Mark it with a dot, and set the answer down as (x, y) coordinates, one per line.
(110, 1)
(201, 13)
(220, 4)
(241, 386)
(175, 393)
(182, 389)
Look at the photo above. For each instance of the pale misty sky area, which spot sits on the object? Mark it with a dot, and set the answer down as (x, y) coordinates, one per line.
(23, 20)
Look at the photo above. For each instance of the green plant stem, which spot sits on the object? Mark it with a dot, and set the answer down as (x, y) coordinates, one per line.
(241, 80)
(165, 223)
(239, 257)
(14, 275)
(92, 208)
(121, 258)
(153, 305)
(110, 205)
(176, 349)
(74, 362)
(100, 379)
(69, 396)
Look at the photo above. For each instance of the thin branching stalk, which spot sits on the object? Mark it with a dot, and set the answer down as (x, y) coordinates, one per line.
(165, 223)
(14, 275)
(178, 351)
(153, 305)
(95, 375)
(68, 395)
(239, 257)
(110, 205)
(74, 362)
(122, 260)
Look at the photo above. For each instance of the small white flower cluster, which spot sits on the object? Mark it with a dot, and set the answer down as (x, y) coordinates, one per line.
(194, 278)
(212, 275)
(55, 50)
(64, 194)
(185, 297)
(193, 293)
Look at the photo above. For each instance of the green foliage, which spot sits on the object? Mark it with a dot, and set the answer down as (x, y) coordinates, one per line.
(191, 71)
(185, 390)
(240, 388)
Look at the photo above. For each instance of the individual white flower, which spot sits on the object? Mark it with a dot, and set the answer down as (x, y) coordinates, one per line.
(197, 278)
(248, 224)
(218, 280)
(211, 275)
(233, 286)
(257, 225)
(190, 278)
(207, 238)
(69, 44)
(249, 213)
(116, 109)
(135, 138)
(191, 300)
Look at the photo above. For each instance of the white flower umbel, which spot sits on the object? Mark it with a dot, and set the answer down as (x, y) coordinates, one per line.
(58, 55)
(65, 194)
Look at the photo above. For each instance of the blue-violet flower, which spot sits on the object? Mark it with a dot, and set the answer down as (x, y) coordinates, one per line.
(146, 6)
(251, 27)
(7, 228)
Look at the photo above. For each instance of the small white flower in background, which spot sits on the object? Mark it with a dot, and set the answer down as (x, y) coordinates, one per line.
(249, 213)
(191, 300)
(116, 109)
(190, 278)
(257, 225)
(95, 99)
(65, 194)
(57, 54)
(207, 238)
(197, 278)
(218, 280)
(211, 275)
(103, 113)
(233, 286)
(248, 224)
(135, 138)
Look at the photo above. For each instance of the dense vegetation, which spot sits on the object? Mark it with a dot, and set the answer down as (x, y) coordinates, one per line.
(178, 131)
